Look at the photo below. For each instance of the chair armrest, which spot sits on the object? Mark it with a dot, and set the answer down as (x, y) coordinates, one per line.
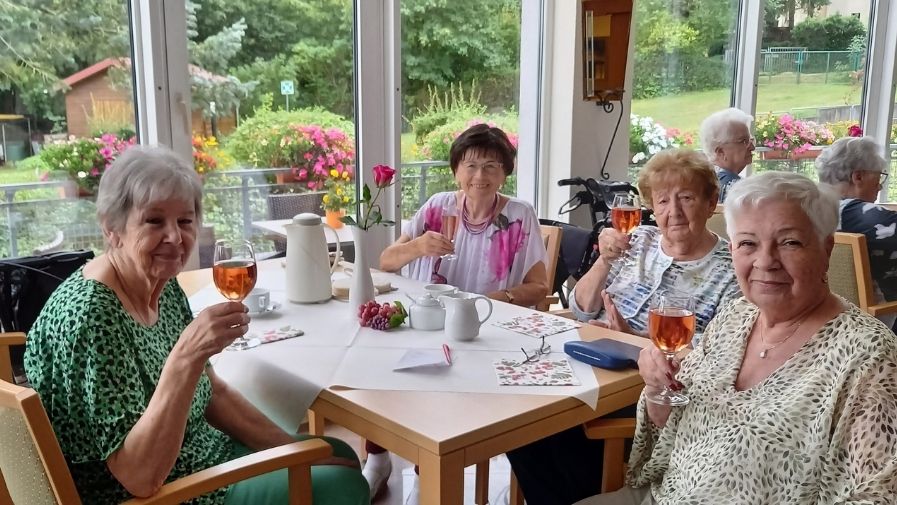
(567, 313)
(882, 309)
(293, 455)
(12, 338)
(7, 340)
(606, 428)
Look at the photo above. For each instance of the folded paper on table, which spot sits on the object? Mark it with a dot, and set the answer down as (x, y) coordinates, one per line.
(422, 358)
(538, 325)
(542, 372)
(251, 340)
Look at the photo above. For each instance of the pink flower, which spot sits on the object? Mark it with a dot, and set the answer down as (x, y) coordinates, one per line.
(383, 175)
(303, 173)
(855, 131)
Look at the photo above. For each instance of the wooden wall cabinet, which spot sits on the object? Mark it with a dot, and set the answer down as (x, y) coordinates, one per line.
(605, 34)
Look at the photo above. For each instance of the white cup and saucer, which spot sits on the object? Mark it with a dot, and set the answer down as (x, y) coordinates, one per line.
(259, 302)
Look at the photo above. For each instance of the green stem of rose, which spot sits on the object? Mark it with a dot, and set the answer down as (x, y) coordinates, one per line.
(370, 207)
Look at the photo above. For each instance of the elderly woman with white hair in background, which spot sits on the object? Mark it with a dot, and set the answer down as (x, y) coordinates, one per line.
(793, 389)
(727, 141)
(856, 168)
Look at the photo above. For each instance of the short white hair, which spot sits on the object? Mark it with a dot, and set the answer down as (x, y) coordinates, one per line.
(847, 155)
(818, 201)
(715, 129)
(140, 176)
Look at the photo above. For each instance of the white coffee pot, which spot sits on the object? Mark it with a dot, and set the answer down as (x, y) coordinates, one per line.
(308, 266)
(426, 313)
(462, 321)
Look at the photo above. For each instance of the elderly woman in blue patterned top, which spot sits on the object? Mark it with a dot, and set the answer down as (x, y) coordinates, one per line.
(679, 254)
(793, 389)
(122, 366)
(856, 168)
(727, 141)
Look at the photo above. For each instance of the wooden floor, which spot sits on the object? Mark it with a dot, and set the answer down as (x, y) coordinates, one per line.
(402, 479)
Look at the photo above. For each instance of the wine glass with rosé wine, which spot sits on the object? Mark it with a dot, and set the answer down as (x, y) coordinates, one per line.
(625, 216)
(234, 269)
(450, 227)
(671, 325)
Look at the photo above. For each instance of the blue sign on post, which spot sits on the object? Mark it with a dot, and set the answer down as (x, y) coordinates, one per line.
(287, 89)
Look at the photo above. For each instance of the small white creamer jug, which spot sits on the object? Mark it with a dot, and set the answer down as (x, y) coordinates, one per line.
(308, 263)
(462, 321)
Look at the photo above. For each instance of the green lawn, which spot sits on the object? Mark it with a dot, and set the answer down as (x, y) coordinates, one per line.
(23, 171)
(687, 110)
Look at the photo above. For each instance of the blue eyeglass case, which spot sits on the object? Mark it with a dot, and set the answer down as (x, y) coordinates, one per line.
(604, 353)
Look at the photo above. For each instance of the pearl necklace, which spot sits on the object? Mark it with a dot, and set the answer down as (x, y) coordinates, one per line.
(478, 228)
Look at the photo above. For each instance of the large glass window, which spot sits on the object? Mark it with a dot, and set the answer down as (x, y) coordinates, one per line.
(811, 76)
(684, 68)
(66, 110)
(460, 65)
(273, 114)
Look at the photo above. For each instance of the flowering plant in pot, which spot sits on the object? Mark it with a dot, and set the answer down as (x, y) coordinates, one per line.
(790, 137)
(316, 154)
(84, 160)
(648, 137)
(337, 198)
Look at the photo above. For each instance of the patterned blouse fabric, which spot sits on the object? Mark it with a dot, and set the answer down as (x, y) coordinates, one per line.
(710, 280)
(819, 430)
(726, 180)
(497, 259)
(96, 369)
(879, 225)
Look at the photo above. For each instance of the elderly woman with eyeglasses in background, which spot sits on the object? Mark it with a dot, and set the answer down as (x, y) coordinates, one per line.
(856, 168)
(727, 141)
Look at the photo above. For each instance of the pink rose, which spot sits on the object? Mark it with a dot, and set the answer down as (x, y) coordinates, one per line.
(383, 175)
(855, 131)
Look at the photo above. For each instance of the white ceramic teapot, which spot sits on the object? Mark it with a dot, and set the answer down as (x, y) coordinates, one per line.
(462, 321)
(426, 313)
(308, 264)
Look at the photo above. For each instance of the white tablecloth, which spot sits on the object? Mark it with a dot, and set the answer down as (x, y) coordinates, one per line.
(284, 378)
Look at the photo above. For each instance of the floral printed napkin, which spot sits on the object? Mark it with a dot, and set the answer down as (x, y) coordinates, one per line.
(538, 325)
(542, 372)
(251, 340)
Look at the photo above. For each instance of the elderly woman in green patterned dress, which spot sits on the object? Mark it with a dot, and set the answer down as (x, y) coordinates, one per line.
(122, 366)
(793, 389)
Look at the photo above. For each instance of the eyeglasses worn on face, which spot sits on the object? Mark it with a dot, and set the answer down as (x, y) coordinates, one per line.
(491, 167)
(882, 178)
(743, 141)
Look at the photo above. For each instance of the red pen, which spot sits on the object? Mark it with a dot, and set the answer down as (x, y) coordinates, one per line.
(448, 353)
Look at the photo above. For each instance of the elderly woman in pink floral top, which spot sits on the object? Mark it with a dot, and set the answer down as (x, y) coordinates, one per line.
(498, 249)
(498, 246)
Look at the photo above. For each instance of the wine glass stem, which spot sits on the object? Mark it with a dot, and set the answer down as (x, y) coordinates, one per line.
(666, 388)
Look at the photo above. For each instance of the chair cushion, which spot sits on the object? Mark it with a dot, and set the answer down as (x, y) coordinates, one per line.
(20, 463)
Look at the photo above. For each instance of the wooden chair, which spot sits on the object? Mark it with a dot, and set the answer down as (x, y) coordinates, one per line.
(551, 236)
(717, 224)
(33, 469)
(849, 274)
(7, 340)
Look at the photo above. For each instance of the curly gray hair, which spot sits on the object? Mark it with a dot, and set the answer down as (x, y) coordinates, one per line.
(818, 201)
(142, 175)
(715, 128)
(845, 156)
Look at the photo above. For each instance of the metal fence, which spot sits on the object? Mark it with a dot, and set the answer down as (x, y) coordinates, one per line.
(810, 66)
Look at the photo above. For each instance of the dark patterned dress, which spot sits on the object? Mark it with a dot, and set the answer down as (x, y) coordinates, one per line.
(96, 369)
(879, 225)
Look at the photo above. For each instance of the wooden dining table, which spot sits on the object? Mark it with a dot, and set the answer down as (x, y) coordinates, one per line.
(444, 432)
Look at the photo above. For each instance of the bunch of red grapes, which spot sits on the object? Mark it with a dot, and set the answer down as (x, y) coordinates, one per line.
(382, 317)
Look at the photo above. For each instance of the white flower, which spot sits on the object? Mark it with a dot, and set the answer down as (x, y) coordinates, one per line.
(82, 174)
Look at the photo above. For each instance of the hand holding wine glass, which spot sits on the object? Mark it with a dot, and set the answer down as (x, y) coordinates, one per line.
(625, 215)
(671, 325)
(450, 227)
(234, 269)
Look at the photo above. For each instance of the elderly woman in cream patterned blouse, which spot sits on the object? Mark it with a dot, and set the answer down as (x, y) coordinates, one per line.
(793, 389)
